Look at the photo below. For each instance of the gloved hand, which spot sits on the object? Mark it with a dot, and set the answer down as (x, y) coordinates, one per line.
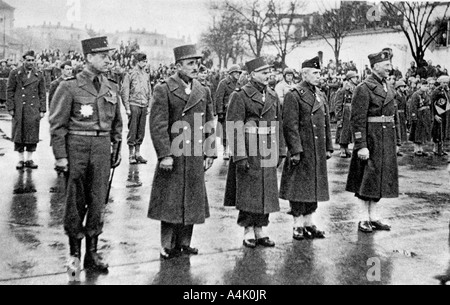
(295, 160)
(116, 156)
(243, 165)
(364, 154)
(438, 119)
(62, 165)
(166, 164)
(208, 163)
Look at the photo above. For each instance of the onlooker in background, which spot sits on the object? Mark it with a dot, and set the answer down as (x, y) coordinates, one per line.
(421, 119)
(67, 73)
(285, 85)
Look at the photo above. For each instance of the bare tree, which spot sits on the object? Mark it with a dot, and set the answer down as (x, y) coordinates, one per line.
(283, 18)
(333, 25)
(418, 23)
(257, 22)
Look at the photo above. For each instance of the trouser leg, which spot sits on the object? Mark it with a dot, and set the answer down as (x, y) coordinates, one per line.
(168, 235)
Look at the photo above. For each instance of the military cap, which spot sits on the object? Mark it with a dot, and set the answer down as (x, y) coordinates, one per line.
(140, 56)
(431, 80)
(3, 60)
(257, 64)
(186, 52)
(66, 63)
(399, 84)
(350, 75)
(389, 50)
(288, 71)
(234, 68)
(312, 63)
(95, 45)
(379, 57)
(443, 79)
(29, 53)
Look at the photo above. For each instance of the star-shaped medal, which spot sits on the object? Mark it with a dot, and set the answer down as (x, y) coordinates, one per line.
(87, 111)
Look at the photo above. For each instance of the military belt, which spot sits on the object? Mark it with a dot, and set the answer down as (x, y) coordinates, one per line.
(90, 133)
(260, 130)
(380, 119)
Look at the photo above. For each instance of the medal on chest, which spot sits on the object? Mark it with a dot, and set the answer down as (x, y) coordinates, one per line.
(188, 90)
(87, 111)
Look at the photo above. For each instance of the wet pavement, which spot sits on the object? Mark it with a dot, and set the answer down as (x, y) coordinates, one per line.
(33, 247)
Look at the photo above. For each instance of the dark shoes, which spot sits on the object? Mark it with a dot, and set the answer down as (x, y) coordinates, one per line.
(133, 160)
(365, 227)
(399, 154)
(31, 164)
(298, 234)
(265, 242)
(92, 260)
(189, 251)
(141, 160)
(313, 233)
(379, 226)
(167, 254)
(370, 226)
(249, 243)
(20, 165)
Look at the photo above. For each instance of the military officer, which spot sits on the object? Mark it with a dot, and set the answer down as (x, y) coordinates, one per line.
(400, 99)
(254, 125)
(224, 90)
(26, 103)
(182, 130)
(307, 131)
(85, 126)
(440, 105)
(373, 169)
(421, 119)
(66, 73)
(343, 102)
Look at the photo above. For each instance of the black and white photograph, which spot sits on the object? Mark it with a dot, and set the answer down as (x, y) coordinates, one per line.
(214, 145)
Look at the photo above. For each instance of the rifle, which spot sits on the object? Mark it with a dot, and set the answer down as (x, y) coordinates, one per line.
(111, 176)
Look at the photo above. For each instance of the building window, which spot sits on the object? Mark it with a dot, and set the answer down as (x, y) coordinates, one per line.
(442, 40)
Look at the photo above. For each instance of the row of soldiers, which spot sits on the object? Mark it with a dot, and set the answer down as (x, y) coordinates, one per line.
(86, 132)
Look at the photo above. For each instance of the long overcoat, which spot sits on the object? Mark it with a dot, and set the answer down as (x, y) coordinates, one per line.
(377, 177)
(343, 101)
(402, 115)
(254, 190)
(181, 126)
(421, 118)
(27, 98)
(306, 124)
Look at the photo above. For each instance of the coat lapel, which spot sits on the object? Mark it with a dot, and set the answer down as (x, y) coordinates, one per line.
(253, 93)
(27, 81)
(376, 87)
(319, 101)
(305, 93)
(270, 100)
(177, 86)
(195, 97)
(105, 86)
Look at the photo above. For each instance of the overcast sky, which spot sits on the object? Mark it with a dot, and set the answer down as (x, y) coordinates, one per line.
(176, 18)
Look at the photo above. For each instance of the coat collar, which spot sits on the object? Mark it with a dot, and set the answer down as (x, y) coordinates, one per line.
(373, 83)
(177, 87)
(257, 96)
(84, 80)
(34, 77)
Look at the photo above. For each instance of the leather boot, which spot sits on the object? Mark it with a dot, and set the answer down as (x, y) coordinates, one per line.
(92, 260)
(75, 247)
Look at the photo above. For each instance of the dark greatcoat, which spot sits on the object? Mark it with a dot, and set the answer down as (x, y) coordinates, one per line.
(307, 131)
(27, 98)
(439, 130)
(402, 115)
(182, 127)
(255, 190)
(421, 118)
(343, 102)
(377, 177)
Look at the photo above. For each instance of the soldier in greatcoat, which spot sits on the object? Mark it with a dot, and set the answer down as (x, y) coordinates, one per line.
(373, 170)
(222, 98)
(440, 106)
(400, 100)
(254, 124)
(182, 130)
(66, 73)
(343, 102)
(306, 124)
(421, 119)
(26, 103)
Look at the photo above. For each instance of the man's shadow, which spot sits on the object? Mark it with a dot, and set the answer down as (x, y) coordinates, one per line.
(445, 277)
(176, 272)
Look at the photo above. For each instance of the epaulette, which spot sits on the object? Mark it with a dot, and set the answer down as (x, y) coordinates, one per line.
(238, 89)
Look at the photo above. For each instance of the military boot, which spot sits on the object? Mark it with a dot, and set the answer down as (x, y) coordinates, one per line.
(73, 263)
(92, 260)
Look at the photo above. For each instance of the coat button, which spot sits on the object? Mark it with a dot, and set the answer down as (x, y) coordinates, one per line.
(188, 142)
(23, 95)
(201, 127)
(317, 138)
(183, 114)
(200, 141)
(185, 128)
(23, 88)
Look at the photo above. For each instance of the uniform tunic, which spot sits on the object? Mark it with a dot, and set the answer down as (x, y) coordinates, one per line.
(343, 103)
(307, 132)
(77, 107)
(439, 101)
(402, 115)
(421, 118)
(377, 177)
